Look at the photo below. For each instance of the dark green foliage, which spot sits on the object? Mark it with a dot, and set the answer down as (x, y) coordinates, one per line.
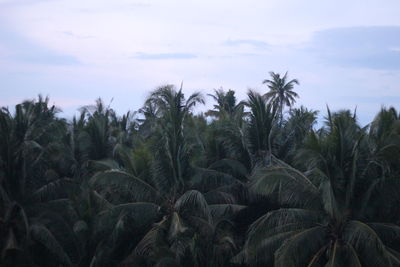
(242, 185)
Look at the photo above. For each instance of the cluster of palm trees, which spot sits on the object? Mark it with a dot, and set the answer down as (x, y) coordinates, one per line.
(245, 184)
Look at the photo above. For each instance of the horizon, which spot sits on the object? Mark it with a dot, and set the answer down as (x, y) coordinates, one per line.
(198, 110)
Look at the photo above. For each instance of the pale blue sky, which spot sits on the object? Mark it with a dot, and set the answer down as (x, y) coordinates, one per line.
(345, 53)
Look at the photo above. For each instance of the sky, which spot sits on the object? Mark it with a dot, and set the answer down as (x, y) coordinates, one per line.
(346, 54)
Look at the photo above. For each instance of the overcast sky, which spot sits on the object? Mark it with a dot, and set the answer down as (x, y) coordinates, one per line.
(344, 53)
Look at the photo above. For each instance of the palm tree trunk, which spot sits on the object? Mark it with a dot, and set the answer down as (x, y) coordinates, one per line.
(281, 112)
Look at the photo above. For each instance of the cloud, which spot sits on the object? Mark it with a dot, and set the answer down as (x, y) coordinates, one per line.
(77, 36)
(373, 47)
(163, 56)
(18, 48)
(254, 43)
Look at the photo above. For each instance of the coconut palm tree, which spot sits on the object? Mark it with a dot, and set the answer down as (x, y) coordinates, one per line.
(295, 129)
(384, 140)
(383, 148)
(177, 210)
(320, 223)
(281, 92)
(97, 130)
(260, 125)
(224, 138)
(35, 225)
(171, 147)
(227, 106)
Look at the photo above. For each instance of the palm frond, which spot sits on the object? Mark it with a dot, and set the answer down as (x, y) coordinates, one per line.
(300, 248)
(124, 183)
(225, 211)
(193, 203)
(367, 244)
(42, 235)
(288, 184)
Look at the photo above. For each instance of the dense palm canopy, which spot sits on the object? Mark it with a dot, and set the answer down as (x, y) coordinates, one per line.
(323, 205)
(239, 186)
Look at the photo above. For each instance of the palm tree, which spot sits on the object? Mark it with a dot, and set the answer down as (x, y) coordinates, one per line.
(384, 140)
(32, 195)
(383, 148)
(296, 128)
(97, 130)
(321, 222)
(226, 106)
(281, 92)
(171, 146)
(176, 205)
(260, 125)
(224, 138)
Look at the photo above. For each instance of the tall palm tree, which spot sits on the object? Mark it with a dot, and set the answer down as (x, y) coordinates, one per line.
(384, 140)
(176, 205)
(97, 130)
(260, 125)
(32, 195)
(383, 148)
(281, 92)
(171, 147)
(322, 223)
(226, 106)
(295, 129)
(225, 136)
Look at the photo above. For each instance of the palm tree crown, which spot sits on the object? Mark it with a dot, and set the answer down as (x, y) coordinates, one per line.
(281, 91)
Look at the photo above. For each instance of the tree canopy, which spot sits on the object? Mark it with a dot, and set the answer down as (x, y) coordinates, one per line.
(243, 184)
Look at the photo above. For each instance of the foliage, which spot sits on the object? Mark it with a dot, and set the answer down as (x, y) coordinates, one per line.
(240, 185)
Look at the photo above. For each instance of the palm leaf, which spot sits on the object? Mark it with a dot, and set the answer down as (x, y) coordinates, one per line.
(300, 248)
(42, 235)
(367, 243)
(124, 183)
(193, 203)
